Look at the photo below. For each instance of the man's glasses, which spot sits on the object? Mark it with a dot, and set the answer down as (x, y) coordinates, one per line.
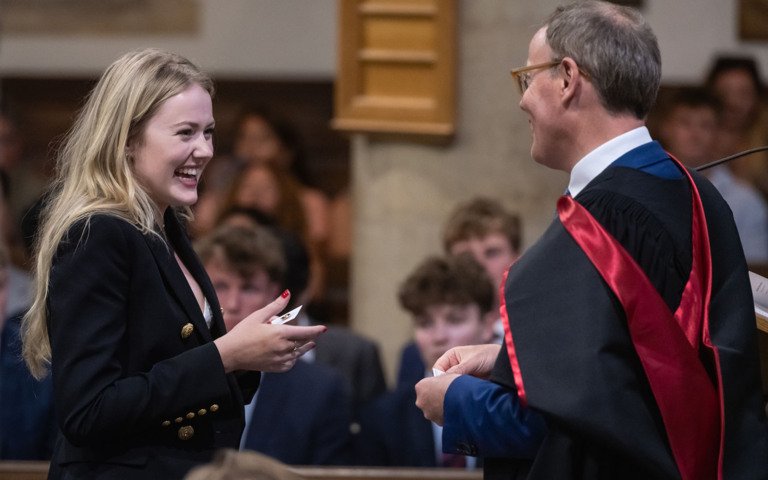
(523, 75)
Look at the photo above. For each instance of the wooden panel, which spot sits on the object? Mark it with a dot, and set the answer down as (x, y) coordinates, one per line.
(753, 16)
(396, 71)
(18, 470)
(762, 323)
(399, 33)
(100, 17)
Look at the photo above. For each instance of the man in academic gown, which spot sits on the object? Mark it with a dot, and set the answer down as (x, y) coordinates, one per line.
(629, 326)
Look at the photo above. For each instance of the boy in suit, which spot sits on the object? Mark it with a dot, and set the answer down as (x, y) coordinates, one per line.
(450, 300)
(27, 424)
(483, 228)
(299, 417)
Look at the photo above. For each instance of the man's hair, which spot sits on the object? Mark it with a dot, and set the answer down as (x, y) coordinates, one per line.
(453, 280)
(296, 254)
(724, 64)
(693, 97)
(615, 47)
(478, 218)
(244, 250)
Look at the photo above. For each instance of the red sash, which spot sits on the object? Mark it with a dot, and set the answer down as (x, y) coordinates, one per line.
(668, 345)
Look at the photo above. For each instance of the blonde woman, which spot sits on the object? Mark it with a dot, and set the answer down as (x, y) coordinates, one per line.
(147, 381)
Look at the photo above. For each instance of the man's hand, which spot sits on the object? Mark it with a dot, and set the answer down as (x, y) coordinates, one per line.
(475, 360)
(430, 393)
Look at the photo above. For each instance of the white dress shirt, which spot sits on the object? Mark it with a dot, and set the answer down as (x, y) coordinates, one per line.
(593, 163)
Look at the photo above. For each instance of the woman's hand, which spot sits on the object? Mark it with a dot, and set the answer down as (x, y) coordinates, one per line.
(255, 344)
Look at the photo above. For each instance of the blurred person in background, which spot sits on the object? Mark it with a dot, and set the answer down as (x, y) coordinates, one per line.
(688, 130)
(301, 416)
(450, 301)
(484, 228)
(27, 422)
(736, 82)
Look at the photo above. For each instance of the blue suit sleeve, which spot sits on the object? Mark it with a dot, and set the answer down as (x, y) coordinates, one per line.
(485, 419)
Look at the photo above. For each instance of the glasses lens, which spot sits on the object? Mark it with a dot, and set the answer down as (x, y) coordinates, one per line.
(525, 80)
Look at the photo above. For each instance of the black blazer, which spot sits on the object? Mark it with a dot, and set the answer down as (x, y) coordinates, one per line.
(140, 390)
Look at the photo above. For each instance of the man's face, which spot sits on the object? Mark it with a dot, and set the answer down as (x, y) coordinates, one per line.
(444, 326)
(739, 97)
(258, 189)
(540, 103)
(238, 296)
(689, 134)
(492, 251)
(257, 143)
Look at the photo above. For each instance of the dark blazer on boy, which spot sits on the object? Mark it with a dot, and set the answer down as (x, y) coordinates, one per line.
(302, 416)
(27, 424)
(394, 432)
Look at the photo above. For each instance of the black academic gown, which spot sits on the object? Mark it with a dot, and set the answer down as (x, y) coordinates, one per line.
(577, 361)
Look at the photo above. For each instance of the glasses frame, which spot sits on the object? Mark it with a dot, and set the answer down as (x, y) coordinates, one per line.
(523, 77)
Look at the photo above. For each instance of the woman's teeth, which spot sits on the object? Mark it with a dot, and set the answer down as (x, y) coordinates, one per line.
(187, 172)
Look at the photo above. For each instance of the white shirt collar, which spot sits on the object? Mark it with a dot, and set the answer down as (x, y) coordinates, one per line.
(593, 163)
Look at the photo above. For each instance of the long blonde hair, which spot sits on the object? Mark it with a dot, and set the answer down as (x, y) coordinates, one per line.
(94, 174)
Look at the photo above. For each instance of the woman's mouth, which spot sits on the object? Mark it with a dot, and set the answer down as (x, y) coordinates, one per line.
(188, 175)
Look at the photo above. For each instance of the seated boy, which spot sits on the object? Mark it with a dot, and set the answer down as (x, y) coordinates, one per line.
(299, 417)
(27, 424)
(450, 300)
(483, 228)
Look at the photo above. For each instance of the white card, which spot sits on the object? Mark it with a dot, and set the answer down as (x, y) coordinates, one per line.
(286, 317)
(436, 372)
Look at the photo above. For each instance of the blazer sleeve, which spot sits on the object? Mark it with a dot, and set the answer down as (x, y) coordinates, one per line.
(485, 419)
(89, 305)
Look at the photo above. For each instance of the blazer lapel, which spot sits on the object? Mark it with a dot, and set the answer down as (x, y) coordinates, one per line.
(177, 284)
(189, 257)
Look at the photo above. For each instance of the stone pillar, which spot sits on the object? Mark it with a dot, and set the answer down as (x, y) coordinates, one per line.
(403, 191)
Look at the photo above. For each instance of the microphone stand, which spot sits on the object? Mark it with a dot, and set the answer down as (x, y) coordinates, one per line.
(731, 157)
(757, 282)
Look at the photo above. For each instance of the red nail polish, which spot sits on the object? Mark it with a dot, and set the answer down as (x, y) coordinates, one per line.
(285, 294)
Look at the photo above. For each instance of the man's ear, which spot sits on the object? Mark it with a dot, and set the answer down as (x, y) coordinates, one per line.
(571, 78)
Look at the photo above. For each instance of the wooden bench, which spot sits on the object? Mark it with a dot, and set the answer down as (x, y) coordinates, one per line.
(39, 471)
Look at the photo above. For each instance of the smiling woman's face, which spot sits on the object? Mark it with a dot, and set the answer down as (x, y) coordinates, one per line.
(174, 148)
